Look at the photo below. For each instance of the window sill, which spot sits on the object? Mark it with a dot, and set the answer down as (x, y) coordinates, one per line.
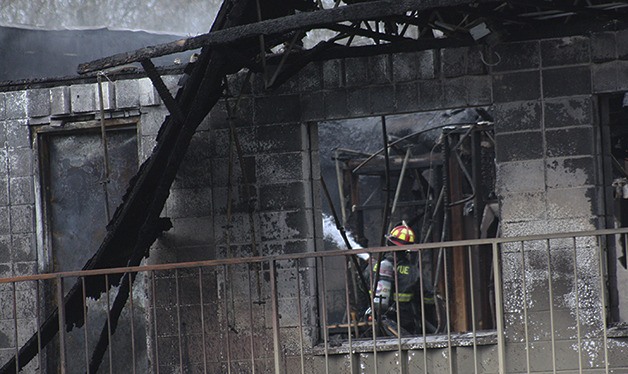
(417, 342)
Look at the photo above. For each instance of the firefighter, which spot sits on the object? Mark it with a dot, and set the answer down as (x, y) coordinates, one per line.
(407, 292)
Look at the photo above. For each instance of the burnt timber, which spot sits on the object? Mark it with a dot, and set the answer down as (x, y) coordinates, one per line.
(136, 223)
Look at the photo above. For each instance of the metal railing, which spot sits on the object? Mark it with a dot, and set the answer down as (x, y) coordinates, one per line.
(280, 313)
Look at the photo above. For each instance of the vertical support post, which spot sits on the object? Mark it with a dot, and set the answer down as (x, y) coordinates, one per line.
(499, 309)
(61, 315)
(275, 309)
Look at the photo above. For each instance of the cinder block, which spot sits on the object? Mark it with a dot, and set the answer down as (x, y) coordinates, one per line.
(622, 78)
(570, 202)
(190, 202)
(277, 109)
(38, 102)
(280, 168)
(17, 133)
(405, 66)
(356, 71)
(282, 138)
(519, 146)
(15, 105)
(430, 94)
(21, 191)
(358, 103)
(148, 93)
(4, 221)
(576, 141)
(83, 98)
(285, 225)
(4, 192)
(454, 92)
(570, 172)
(151, 120)
(332, 74)
(567, 81)
(335, 104)
(479, 90)
(454, 62)
(517, 86)
(193, 172)
(603, 47)
(517, 116)
(427, 65)
(20, 162)
(108, 95)
(193, 237)
(289, 196)
(515, 56)
(6, 250)
(573, 111)
(407, 97)
(22, 219)
(312, 106)
(379, 69)
(60, 100)
(127, 93)
(311, 77)
(23, 248)
(566, 51)
(382, 99)
(523, 206)
(605, 77)
(7, 334)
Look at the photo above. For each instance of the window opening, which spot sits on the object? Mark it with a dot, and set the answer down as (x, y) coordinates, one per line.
(442, 179)
(614, 120)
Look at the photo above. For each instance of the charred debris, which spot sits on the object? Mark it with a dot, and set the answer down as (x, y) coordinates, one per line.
(266, 37)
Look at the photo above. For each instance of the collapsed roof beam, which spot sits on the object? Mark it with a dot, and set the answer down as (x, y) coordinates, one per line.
(300, 21)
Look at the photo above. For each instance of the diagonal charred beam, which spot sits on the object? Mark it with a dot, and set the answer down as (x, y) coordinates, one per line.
(300, 21)
(159, 84)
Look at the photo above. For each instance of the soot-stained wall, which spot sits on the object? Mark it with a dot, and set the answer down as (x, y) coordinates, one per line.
(544, 97)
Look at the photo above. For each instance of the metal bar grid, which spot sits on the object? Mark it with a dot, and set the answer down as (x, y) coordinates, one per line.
(160, 298)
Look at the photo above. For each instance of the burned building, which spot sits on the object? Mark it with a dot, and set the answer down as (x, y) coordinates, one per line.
(493, 128)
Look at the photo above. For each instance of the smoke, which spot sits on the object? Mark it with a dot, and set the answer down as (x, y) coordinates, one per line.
(332, 235)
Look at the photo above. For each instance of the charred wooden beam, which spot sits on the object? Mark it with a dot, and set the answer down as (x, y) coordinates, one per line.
(299, 21)
(162, 90)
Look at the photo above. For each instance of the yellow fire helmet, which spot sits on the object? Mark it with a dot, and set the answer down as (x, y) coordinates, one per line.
(401, 235)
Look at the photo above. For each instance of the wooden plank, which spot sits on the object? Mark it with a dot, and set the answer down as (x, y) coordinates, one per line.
(300, 21)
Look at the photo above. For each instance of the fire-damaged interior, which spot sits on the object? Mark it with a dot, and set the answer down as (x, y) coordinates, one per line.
(445, 186)
(614, 118)
(438, 177)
